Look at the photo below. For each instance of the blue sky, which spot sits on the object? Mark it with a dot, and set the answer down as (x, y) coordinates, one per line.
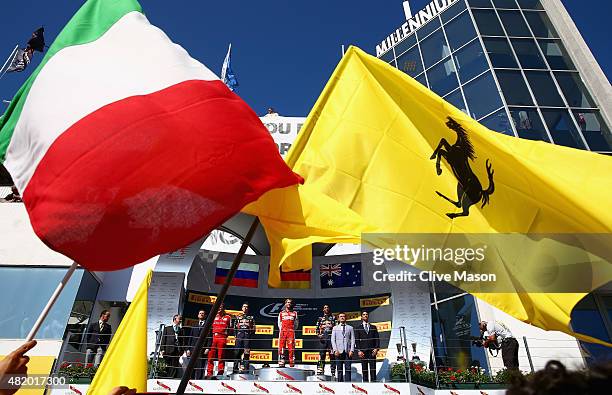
(283, 50)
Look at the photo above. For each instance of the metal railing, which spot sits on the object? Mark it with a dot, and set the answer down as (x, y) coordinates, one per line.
(452, 358)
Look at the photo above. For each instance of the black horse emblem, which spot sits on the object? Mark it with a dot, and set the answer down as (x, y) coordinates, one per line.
(469, 189)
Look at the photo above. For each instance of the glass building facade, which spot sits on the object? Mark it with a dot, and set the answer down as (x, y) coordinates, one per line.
(503, 63)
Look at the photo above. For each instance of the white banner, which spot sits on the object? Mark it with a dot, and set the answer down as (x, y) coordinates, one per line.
(411, 310)
(284, 130)
(164, 296)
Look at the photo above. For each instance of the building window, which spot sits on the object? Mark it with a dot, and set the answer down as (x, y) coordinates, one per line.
(421, 78)
(487, 23)
(456, 99)
(428, 28)
(528, 124)
(443, 77)
(544, 88)
(24, 292)
(410, 62)
(514, 88)
(388, 56)
(556, 55)
(409, 42)
(505, 4)
(514, 23)
(480, 3)
(498, 121)
(455, 322)
(481, 95)
(594, 130)
(530, 4)
(528, 53)
(574, 90)
(588, 317)
(562, 129)
(434, 48)
(540, 24)
(453, 11)
(83, 306)
(500, 53)
(470, 61)
(459, 31)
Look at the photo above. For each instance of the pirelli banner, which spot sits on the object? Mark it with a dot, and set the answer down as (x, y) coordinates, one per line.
(307, 344)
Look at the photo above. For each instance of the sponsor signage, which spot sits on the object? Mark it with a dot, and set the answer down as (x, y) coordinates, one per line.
(311, 357)
(308, 330)
(201, 299)
(298, 343)
(373, 302)
(261, 355)
(411, 25)
(285, 385)
(383, 326)
(264, 329)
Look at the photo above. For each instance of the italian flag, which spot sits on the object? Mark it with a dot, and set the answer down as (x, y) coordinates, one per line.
(124, 147)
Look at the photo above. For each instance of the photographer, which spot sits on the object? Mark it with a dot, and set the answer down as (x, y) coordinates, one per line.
(495, 333)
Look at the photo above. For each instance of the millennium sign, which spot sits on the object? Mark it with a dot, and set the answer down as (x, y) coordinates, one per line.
(419, 19)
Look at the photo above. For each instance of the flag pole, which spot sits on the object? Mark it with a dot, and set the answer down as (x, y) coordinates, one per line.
(213, 311)
(51, 301)
(8, 60)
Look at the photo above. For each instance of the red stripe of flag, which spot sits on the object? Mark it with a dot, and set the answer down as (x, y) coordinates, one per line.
(295, 276)
(240, 282)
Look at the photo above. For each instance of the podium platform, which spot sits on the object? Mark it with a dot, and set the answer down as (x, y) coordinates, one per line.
(283, 374)
(244, 387)
(321, 377)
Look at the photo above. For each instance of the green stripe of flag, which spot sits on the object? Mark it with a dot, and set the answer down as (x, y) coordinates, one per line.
(90, 22)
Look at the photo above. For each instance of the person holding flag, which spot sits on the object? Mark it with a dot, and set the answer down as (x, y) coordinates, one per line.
(136, 159)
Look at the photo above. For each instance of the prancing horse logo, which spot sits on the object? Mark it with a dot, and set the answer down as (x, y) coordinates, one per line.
(469, 189)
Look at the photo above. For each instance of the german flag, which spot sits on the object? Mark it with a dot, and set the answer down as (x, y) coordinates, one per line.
(297, 279)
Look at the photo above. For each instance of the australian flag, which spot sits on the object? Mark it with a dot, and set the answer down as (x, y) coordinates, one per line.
(227, 74)
(340, 275)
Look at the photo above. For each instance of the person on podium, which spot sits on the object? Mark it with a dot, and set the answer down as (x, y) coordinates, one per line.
(287, 324)
(367, 344)
(343, 344)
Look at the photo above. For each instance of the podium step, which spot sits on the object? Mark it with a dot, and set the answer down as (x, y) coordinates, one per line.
(283, 374)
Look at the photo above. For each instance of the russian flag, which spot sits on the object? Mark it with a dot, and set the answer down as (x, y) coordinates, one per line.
(247, 274)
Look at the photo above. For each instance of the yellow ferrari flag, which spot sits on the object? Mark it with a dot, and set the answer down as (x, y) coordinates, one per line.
(125, 361)
(380, 153)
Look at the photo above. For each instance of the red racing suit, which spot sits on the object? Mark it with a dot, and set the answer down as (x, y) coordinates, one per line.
(287, 324)
(220, 329)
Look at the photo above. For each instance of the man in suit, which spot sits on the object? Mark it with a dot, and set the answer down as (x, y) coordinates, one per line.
(173, 345)
(98, 337)
(343, 344)
(194, 335)
(367, 344)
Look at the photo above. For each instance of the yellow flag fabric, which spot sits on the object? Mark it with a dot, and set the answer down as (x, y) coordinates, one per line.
(368, 154)
(125, 361)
